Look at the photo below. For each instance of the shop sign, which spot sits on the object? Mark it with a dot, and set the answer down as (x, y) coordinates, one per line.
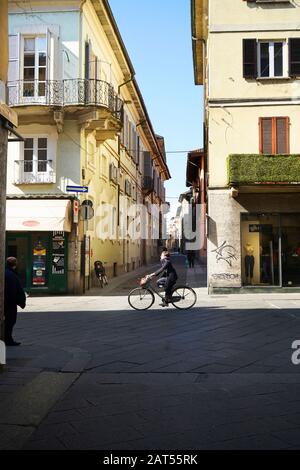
(58, 253)
(39, 264)
(75, 212)
(260, 228)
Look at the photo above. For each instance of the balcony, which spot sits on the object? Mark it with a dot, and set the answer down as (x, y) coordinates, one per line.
(34, 172)
(147, 184)
(259, 170)
(95, 103)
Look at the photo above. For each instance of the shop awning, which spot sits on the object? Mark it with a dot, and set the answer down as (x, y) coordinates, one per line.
(38, 215)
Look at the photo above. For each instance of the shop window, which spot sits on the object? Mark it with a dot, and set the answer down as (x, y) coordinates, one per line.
(260, 249)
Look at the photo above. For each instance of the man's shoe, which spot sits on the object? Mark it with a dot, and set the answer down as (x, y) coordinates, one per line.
(12, 343)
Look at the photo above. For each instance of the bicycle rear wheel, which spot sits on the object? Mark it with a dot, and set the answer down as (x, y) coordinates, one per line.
(141, 299)
(184, 297)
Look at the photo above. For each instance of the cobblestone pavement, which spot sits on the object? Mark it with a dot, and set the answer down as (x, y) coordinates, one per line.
(93, 374)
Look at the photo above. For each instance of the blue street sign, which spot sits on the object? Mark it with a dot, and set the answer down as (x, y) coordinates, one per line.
(77, 189)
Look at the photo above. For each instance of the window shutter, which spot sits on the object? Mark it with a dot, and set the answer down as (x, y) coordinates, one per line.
(138, 149)
(294, 57)
(13, 67)
(266, 146)
(282, 135)
(90, 60)
(49, 70)
(249, 58)
(86, 60)
(125, 130)
(147, 164)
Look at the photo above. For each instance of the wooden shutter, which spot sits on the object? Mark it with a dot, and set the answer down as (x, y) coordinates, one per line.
(13, 67)
(274, 135)
(86, 60)
(282, 135)
(249, 58)
(138, 149)
(294, 57)
(266, 136)
(126, 130)
(147, 164)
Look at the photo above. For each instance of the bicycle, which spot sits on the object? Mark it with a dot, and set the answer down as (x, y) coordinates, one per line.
(143, 297)
(102, 280)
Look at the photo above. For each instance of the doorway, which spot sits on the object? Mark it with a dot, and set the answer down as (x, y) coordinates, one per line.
(18, 248)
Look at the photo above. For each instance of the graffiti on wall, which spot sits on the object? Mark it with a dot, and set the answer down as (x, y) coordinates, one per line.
(225, 277)
(225, 253)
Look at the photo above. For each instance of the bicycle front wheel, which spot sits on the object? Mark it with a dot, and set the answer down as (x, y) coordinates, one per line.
(184, 297)
(141, 299)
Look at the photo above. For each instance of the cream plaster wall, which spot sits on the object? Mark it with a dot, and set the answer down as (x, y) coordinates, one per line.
(239, 13)
(225, 58)
(236, 130)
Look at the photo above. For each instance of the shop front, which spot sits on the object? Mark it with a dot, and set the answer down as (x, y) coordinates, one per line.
(254, 240)
(37, 235)
(271, 249)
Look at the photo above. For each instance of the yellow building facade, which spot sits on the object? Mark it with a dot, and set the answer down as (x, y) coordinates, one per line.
(84, 124)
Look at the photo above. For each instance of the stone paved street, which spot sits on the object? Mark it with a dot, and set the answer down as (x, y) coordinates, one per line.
(93, 374)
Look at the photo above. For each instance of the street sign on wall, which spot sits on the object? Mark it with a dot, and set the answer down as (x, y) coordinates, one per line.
(77, 189)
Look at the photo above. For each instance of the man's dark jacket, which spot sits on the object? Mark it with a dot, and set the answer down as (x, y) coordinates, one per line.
(14, 293)
(167, 269)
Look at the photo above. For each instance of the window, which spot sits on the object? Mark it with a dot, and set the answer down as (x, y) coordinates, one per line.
(113, 224)
(35, 155)
(34, 66)
(274, 135)
(35, 167)
(104, 166)
(272, 59)
(268, 1)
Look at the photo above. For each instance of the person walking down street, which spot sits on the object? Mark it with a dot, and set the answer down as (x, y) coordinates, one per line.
(168, 278)
(191, 258)
(14, 296)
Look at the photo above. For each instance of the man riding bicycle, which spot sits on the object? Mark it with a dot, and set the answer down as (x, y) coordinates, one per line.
(100, 273)
(168, 278)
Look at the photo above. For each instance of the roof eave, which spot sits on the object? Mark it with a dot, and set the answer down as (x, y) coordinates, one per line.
(199, 17)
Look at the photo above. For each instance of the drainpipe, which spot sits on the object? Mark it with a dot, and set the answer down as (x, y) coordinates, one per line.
(125, 83)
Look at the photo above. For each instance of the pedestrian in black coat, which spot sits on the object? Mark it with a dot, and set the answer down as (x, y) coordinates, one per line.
(14, 296)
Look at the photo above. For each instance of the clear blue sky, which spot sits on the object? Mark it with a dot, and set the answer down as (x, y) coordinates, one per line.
(157, 35)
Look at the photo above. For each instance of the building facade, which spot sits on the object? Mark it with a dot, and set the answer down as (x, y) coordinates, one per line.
(247, 57)
(85, 125)
(196, 181)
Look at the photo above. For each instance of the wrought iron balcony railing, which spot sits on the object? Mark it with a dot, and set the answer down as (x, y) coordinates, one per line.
(71, 92)
(34, 172)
